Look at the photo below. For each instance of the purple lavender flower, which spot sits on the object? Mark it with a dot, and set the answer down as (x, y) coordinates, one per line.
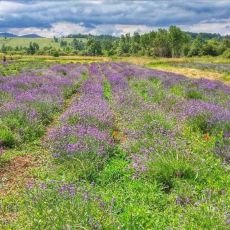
(43, 186)
(67, 189)
(56, 155)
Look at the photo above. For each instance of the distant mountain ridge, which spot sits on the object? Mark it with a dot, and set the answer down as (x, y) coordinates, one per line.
(10, 35)
(204, 36)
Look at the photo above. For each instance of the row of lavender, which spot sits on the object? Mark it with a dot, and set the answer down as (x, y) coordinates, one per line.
(81, 144)
(201, 97)
(28, 102)
(205, 105)
(84, 131)
(202, 114)
(147, 129)
(160, 149)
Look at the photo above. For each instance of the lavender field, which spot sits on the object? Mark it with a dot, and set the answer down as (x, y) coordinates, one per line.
(117, 146)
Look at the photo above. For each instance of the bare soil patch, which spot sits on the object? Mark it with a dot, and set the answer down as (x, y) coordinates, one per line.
(16, 173)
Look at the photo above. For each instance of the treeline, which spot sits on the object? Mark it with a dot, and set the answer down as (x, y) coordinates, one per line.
(173, 43)
(162, 43)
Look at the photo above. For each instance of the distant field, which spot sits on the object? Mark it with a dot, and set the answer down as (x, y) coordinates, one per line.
(213, 68)
(17, 64)
(42, 42)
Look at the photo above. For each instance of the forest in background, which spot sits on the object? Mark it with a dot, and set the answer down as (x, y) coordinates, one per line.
(162, 43)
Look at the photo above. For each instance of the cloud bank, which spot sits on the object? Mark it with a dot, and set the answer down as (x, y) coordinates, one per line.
(49, 18)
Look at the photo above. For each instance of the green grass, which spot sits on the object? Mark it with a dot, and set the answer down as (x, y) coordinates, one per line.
(15, 67)
(107, 90)
(24, 42)
(185, 186)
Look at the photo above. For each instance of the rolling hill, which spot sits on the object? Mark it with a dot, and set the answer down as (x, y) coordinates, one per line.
(10, 35)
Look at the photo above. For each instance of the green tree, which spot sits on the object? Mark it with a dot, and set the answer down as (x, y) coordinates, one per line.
(211, 47)
(196, 47)
(123, 46)
(77, 44)
(33, 48)
(55, 39)
(94, 47)
(3, 48)
(162, 44)
(177, 39)
(63, 43)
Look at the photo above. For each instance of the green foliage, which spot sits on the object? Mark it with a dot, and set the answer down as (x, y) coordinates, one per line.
(211, 47)
(162, 43)
(55, 39)
(144, 87)
(77, 45)
(226, 53)
(6, 136)
(177, 40)
(33, 48)
(55, 53)
(177, 90)
(107, 90)
(94, 47)
(166, 169)
(196, 47)
(22, 128)
(16, 67)
(194, 94)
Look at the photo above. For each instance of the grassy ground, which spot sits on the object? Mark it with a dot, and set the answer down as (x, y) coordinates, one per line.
(175, 65)
(147, 60)
(192, 72)
(17, 63)
(61, 59)
(184, 66)
(183, 188)
(24, 42)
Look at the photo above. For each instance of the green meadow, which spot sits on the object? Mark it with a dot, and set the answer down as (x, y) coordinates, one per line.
(42, 42)
(104, 143)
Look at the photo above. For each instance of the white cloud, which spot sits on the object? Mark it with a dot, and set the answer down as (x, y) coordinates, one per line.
(57, 29)
(7, 7)
(214, 26)
(66, 28)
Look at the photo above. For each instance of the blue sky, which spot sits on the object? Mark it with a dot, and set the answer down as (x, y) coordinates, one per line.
(62, 17)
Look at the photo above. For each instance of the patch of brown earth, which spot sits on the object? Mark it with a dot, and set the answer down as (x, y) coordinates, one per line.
(118, 136)
(15, 173)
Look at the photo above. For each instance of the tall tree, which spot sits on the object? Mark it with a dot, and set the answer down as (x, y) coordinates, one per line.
(94, 47)
(162, 44)
(196, 47)
(177, 39)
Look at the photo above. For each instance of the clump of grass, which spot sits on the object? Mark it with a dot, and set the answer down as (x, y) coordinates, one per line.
(194, 94)
(107, 90)
(7, 138)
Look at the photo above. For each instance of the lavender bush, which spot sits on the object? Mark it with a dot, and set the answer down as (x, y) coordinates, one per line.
(28, 102)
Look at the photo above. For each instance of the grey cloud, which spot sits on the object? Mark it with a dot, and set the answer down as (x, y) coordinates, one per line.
(91, 14)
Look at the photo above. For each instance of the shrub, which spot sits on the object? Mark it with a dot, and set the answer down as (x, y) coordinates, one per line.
(6, 137)
(194, 94)
(166, 169)
(226, 54)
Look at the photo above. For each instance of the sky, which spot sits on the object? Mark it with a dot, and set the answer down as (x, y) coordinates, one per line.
(114, 17)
